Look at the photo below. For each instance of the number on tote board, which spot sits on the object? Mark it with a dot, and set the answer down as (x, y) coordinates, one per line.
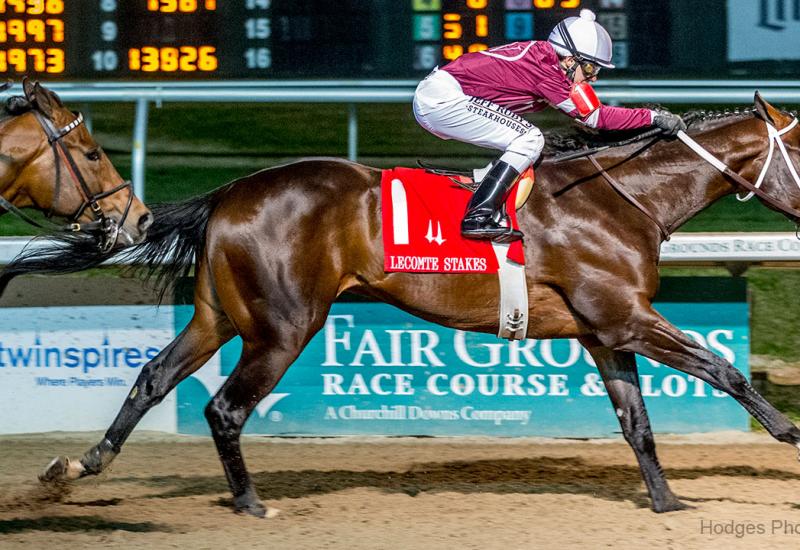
(168, 59)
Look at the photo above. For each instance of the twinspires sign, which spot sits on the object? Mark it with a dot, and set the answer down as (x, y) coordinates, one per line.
(376, 370)
(70, 368)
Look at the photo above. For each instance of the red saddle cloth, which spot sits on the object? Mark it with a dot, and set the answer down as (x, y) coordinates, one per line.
(421, 215)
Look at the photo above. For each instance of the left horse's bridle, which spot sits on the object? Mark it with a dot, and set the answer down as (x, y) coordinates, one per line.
(107, 227)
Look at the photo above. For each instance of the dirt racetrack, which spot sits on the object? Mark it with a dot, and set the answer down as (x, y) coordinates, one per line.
(169, 492)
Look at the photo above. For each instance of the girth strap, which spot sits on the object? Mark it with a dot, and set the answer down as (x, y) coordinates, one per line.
(665, 233)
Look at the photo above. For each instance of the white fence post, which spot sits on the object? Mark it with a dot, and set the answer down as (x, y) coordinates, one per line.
(352, 132)
(139, 149)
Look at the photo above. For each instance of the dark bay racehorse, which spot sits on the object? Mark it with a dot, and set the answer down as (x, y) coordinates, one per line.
(273, 250)
(50, 162)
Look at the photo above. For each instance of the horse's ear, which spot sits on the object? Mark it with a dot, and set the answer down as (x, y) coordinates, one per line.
(37, 97)
(27, 87)
(42, 98)
(765, 111)
(55, 98)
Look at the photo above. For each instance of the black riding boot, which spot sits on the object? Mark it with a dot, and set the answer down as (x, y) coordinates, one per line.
(480, 221)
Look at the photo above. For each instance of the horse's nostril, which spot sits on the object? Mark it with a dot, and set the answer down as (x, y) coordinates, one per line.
(145, 222)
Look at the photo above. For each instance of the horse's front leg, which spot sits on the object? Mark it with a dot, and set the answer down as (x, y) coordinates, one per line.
(654, 337)
(621, 378)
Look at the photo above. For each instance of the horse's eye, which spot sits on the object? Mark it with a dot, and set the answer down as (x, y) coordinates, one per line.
(93, 155)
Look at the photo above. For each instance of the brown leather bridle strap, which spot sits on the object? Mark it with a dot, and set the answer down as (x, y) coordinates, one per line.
(665, 232)
(788, 210)
(739, 180)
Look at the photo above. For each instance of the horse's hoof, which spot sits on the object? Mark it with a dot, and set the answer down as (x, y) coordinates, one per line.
(249, 503)
(62, 469)
(670, 505)
(258, 510)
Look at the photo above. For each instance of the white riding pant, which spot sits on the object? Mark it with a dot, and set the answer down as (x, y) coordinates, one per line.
(442, 108)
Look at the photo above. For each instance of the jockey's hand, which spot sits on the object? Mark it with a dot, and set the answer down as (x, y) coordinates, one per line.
(670, 123)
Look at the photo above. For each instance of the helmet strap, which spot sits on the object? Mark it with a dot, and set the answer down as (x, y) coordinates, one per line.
(572, 69)
(562, 30)
(576, 56)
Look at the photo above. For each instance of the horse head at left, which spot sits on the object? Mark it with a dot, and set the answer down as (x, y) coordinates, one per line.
(49, 161)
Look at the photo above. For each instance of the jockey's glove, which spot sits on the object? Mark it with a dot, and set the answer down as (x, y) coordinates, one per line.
(670, 123)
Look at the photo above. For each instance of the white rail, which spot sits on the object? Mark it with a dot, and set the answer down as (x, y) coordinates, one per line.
(353, 92)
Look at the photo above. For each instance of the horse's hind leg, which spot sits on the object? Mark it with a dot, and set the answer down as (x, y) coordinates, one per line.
(204, 335)
(276, 317)
(621, 378)
(260, 367)
(656, 338)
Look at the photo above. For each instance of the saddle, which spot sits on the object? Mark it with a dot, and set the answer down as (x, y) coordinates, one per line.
(465, 179)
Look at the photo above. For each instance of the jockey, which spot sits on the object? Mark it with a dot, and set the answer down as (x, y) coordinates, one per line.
(478, 99)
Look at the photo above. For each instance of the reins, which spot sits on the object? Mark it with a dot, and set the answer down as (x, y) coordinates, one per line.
(665, 232)
(655, 132)
(754, 189)
(589, 153)
(6, 205)
(775, 136)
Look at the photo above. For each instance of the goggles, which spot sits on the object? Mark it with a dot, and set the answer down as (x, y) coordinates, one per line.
(589, 68)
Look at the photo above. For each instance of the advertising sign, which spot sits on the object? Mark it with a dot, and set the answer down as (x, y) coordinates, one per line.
(70, 368)
(372, 369)
(376, 370)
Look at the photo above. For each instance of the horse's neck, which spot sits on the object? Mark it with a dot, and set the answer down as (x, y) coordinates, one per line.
(684, 184)
(10, 164)
(9, 186)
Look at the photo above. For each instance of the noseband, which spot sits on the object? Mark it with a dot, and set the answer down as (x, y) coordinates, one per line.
(107, 228)
(775, 136)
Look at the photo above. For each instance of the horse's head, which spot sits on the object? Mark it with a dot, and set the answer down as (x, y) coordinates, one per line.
(51, 162)
(778, 160)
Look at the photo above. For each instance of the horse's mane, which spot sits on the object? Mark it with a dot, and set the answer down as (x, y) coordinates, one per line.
(15, 105)
(579, 137)
(702, 120)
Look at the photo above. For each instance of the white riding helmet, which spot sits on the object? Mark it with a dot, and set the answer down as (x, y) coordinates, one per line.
(582, 37)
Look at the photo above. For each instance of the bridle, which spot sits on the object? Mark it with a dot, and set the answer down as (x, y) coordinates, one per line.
(107, 228)
(775, 136)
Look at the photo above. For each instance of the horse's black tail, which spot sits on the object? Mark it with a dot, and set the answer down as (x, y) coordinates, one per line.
(167, 252)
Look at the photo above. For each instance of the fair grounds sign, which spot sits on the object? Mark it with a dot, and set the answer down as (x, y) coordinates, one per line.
(371, 370)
